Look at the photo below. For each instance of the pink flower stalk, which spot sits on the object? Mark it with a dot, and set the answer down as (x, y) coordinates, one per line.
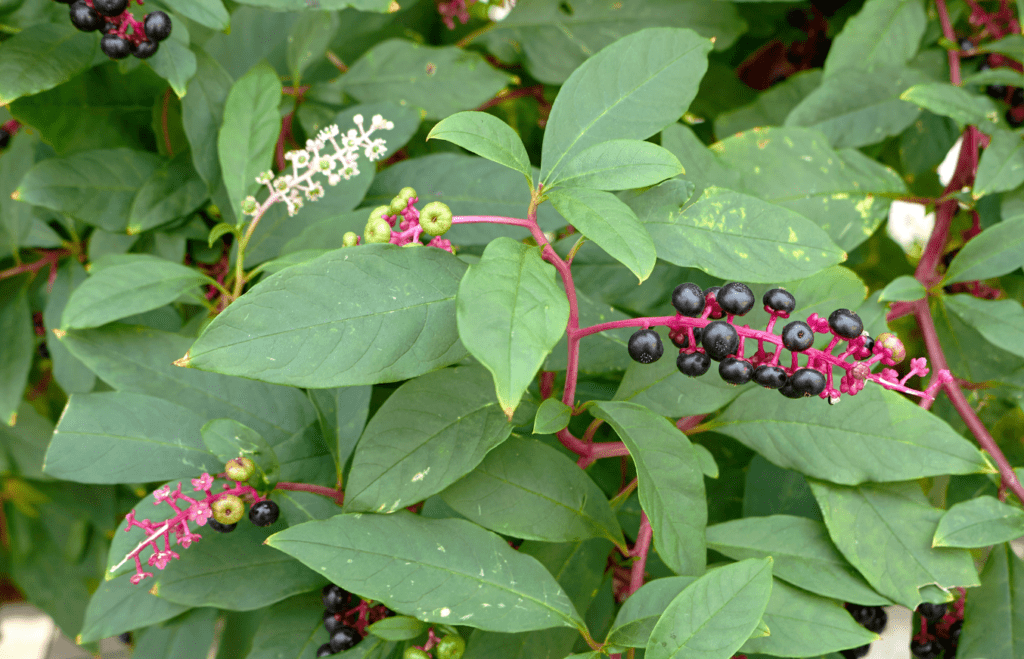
(452, 9)
(198, 511)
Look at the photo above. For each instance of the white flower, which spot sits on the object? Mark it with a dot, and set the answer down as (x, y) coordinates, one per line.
(500, 11)
(324, 164)
(282, 183)
(267, 176)
(315, 191)
(328, 133)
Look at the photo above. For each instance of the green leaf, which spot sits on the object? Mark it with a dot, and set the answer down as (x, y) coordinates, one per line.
(903, 289)
(301, 5)
(126, 284)
(1001, 322)
(1002, 165)
(418, 443)
(18, 339)
(188, 636)
(397, 628)
(172, 191)
(979, 522)
(841, 444)
(42, 56)
(202, 112)
(629, 90)
(543, 644)
(248, 132)
(119, 606)
(804, 556)
(883, 33)
(343, 413)
(228, 439)
(715, 614)
(395, 307)
(293, 629)
(619, 165)
(552, 416)
(610, 223)
(486, 136)
(219, 230)
(636, 619)
(885, 531)
(122, 437)
(996, 251)
(210, 13)
(308, 40)
(511, 313)
(175, 63)
(98, 187)
(437, 570)
(994, 613)
(527, 489)
(439, 80)
(671, 482)
(735, 236)
(956, 103)
(26, 443)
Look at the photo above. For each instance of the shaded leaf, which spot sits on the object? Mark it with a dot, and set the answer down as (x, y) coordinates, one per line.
(994, 613)
(119, 606)
(1001, 322)
(882, 33)
(18, 339)
(552, 416)
(42, 56)
(956, 103)
(1001, 166)
(902, 289)
(641, 611)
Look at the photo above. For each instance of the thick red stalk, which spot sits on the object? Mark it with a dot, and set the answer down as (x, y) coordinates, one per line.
(329, 492)
(640, 550)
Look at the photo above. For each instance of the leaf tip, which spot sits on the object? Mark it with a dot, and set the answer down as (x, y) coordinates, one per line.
(185, 361)
(155, 590)
(509, 411)
(59, 333)
(133, 229)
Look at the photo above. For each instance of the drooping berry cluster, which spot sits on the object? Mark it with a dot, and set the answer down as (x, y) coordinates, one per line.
(112, 18)
(434, 220)
(704, 331)
(939, 632)
(346, 618)
(872, 618)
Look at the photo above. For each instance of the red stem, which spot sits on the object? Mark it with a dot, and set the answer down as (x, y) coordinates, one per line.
(49, 258)
(640, 550)
(329, 492)
(163, 123)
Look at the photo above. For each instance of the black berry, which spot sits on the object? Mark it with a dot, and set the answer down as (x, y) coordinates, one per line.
(110, 7)
(65, 2)
(693, 364)
(645, 346)
(856, 653)
(712, 291)
(779, 300)
(324, 650)
(688, 299)
(931, 612)
(735, 370)
(873, 618)
(343, 639)
(954, 631)
(145, 50)
(157, 25)
(807, 381)
(332, 622)
(5, 138)
(126, 638)
(264, 513)
(720, 340)
(797, 336)
(115, 47)
(85, 17)
(845, 323)
(681, 338)
(770, 377)
(220, 528)
(1017, 97)
(925, 650)
(996, 91)
(736, 298)
(335, 598)
(869, 343)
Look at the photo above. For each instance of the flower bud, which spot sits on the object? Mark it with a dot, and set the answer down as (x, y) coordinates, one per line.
(228, 509)
(239, 469)
(249, 205)
(436, 218)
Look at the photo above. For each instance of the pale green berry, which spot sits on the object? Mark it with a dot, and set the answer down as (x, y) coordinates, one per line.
(436, 218)
(893, 344)
(228, 509)
(350, 239)
(378, 213)
(378, 231)
(450, 647)
(239, 469)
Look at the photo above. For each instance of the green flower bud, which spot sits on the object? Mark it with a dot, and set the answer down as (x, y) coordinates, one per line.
(228, 509)
(249, 205)
(436, 218)
(350, 239)
(378, 231)
(240, 469)
(407, 193)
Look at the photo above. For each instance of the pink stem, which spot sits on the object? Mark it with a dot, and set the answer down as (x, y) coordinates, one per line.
(640, 550)
(598, 451)
(329, 492)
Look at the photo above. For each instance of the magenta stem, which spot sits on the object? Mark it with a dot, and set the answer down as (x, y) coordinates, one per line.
(640, 550)
(329, 492)
(492, 219)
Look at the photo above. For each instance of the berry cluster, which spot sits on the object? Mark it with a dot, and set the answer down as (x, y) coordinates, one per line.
(1012, 96)
(346, 618)
(112, 18)
(704, 331)
(872, 618)
(939, 630)
(434, 220)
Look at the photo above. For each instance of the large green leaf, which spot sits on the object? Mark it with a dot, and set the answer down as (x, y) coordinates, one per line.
(843, 444)
(202, 112)
(804, 555)
(42, 56)
(172, 191)
(956, 103)
(308, 40)
(636, 619)
(979, 522)
(629, 90)
(886, 531)
(996, 251)
(1001, 322)
(994, 614)
(437, 570)
(671, 482)
(527, 489)
(487, 136)
(376, 313)
(119, 606)
(619, 165)
(18, 340)
(176, 63)
(883, 33)
(511, 313)
(1002, 165)
(418, 442)
(715, 614)
(734, 236)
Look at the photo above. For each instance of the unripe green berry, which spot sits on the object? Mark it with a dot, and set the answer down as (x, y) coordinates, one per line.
(240, 469)
(451, 647)
(350, 239)
(407, 193)
(398, 205)
(378, 213)
(228, 509)
(415, 653)
(377, 232)
(436, 218)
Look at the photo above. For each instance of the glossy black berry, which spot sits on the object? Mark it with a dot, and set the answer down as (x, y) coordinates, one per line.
(996, 91)
(115, 47)
(873, 618)
(126, 638)
(736, 298)
(925, 649)
(931, 612)
(845, 323)
(264, 513)
(157, 26)
(688, 299)
(324, 650)
(344, 639)
(332, 622)
(85, 17)
(681, 339)
(770, 377)
(954, 632)
(779, 299)
(856, 653)
(797, 336)
(5, 138)
(145, 50)
(735, 370)
(645, 346)
(335, 598)
(110, 7)
(807, 381)
(869, 343)
(720, 340)
(693, 364)
(220, 528)
(65, 2)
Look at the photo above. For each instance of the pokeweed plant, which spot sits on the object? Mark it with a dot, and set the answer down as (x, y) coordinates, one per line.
(391, 285)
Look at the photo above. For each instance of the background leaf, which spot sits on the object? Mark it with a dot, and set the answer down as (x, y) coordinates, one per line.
(994, 614)
(18, 339)
(41, 57)
(119, 606)
(619, 165)
(883, 33)
(979, 522)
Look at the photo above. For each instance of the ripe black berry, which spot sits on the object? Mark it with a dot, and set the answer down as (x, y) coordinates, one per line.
(221, 528)
(264, 513)
(713, 292)
(845, 323)
(720, 340)
(736, 298)
(735, 370)
(145, 50)
(645, 346)
(693, 364)
(115, 47)
(5, 138)
(996, 91)
(925, 650)
(873, 618)
(954, 632)
(770, 377)
(110, 7)
(688, 299)
(797, 336)
(344, 639)
(807, 381)
(332, 622)
(856, 653)
(157, 25)
(85, 17)
(1017, 97)
(324, 650)
(335, 598)
(126, 638)
(931, 612)
(682, 340)
(869, 343)
(780, 300)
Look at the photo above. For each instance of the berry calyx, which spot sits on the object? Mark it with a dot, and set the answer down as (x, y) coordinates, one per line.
(110, 7)
(931, 612)
(892, 345)
(797, 336)
(688, 299)
(264, 513)
(735, 370)
(735, 298)
(115, 47)
(228, 509)
(693, 364)
(770, 377)
(415, 653)
(846, 324)
(220, 528)
(681, 339)
(240, 469)
(335, 598)
(779, 300)
(145, 49)
(344, 639)
(324, 650)
(436, 218)
(720, 340)
(84, 17)
(157, 26)
(377, 231)
(711, 293)
(451, 646)
(645, 346)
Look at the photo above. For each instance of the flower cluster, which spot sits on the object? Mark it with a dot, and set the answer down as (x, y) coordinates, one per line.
(434, 220)
(343, 163)
(197, 510)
